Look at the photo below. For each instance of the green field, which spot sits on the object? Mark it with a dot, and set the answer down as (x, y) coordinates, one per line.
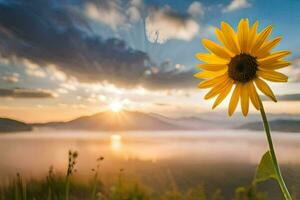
(144, 184)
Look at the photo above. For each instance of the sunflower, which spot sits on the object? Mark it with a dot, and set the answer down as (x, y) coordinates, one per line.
(242, 63)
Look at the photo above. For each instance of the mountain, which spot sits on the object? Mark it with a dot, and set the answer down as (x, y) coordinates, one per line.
(191, 122)
(110, 121)
(130, 120)
(10, 125)
(283, 125)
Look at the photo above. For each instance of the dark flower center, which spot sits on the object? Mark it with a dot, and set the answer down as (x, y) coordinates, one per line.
(242, 67)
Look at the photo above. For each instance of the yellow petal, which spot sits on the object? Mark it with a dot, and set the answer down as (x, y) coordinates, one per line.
(234, 99)
(212, 82)
(244, 99)
(240, 34)
(252, 36)
(221, 38)
(273, 57)
(214, 91)
(264, 88)
(212, 67)
(272, 75)
(253, 95)
(243, 31)
(216, 49)
(230, 37)
(275, 65)
(209, 74)
(266, 47)
(218, 88)
(223, 94)
(246, 27)
(211, 58)
(263, 35)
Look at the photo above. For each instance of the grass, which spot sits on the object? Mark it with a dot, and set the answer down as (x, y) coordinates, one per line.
(122, 187)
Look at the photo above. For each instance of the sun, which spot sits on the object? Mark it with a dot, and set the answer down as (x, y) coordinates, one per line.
(116, 106)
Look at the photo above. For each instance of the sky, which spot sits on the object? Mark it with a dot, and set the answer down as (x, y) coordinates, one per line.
(63, 59)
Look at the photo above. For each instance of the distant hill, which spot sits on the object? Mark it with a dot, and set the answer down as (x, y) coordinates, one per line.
(130, 120)
(109, 121)
(10, 125)
(191, 122)
(282, 125)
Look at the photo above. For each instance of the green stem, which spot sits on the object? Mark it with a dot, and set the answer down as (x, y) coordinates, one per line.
(94, 188)
(67, 188)
(273, 155)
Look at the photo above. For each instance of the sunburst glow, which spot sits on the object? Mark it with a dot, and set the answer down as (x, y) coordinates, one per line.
(116, 106)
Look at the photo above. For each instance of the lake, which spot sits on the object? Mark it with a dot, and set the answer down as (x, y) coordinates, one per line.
(218, 158)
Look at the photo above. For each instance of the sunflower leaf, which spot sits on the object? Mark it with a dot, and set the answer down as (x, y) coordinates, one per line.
(265, 169)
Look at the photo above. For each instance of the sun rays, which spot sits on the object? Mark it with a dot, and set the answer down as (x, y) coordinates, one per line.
(116, 106)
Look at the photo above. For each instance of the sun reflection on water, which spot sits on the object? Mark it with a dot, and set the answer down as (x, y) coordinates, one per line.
(116, 142)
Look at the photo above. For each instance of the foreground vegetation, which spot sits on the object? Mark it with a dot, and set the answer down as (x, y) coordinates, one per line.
(57, 187)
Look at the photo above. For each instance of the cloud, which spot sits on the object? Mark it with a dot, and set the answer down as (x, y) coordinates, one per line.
(89, 58)
(161, 104)
(208, 31)
(169, 75)
(134, 10)
(134, 14)
(107, 12)
(236, 5)
(26, 93)
(196, 9)
(59, 41)
(111, 12)
(11, 78)
(33, 69)
(293, 71)
(286, 97)
(164, 24)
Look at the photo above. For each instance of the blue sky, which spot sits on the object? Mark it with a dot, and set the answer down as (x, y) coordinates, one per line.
(73, 58)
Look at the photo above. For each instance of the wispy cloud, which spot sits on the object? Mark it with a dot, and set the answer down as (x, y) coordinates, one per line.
(164, 24)
(196, 9)
(236, 5)
(114, 13)
(286, 97)
(293, 71)
(107, 12)
(33, 69)
(26, 93)
(134, 10)
(11, 78)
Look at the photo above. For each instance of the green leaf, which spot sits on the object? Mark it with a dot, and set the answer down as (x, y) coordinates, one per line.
(265, 169)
